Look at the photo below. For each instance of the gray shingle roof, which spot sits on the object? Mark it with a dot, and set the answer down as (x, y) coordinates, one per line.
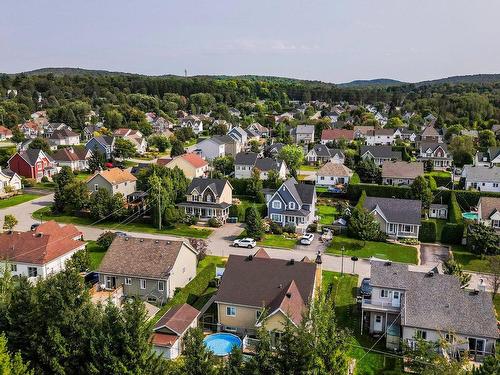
(437, 302)
(381, 152)
(217, 185)
(245, 158)
(304, 129)
(403, 211)
(479, 174)
(424, 146)
(267, 164)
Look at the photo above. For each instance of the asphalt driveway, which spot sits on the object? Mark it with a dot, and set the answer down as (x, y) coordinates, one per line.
(433, 254)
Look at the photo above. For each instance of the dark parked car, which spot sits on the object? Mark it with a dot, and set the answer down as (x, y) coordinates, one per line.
(365, 289)
(91, 278)
(121, 234)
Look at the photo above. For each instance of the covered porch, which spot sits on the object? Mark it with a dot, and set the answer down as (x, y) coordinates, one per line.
(205, 211)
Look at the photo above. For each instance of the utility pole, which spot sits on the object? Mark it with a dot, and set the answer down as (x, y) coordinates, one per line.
(342, 269)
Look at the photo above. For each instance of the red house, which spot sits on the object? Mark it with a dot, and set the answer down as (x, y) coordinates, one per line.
(32, 164)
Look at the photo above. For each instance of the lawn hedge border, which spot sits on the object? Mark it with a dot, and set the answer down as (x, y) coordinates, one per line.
(452, 233)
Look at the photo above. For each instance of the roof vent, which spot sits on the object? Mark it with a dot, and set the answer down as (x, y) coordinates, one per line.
(250, 257)
(475, 292)
(292, 261)
(40, 234)
(167, 242)
(289, 295)
(430, 273)
(126, 238)
(141, 240)
(281, 286)
(388, 263)
(157, 241)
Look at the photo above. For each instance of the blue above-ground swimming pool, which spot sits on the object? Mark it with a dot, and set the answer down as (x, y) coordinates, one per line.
(470, 215)
(221, 344)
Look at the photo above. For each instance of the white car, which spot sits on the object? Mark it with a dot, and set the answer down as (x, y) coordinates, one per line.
(307, 239)
(245, 242)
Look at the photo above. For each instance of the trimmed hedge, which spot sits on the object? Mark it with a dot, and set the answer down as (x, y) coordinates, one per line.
(452, 233)
(374, 190)
(428, 231)
(361, 200)
(455, 211)
(432, 182)
(441, 181)
(355, 179)
(239, 185)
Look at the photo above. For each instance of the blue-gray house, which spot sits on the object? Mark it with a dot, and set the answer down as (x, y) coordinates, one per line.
(293, 203)
(104, 144)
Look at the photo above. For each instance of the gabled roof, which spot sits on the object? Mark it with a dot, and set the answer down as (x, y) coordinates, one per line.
(245, 158)
(304, 129)
(381, 152)
(334, 169)
(382, 131)
(264, 283)
(325, 152)
(430, 131)
(141, 257)
(194, 159)
(402, 169)
(46, 243)
(493, 152)
(489, 206)
(403, 211)
(115, 176)
(261, 253)
(335, 134)
(104, 140)
(437, 302)
(289, 302)
(200, 184)
(70, 154)
(424, 146)
(302, 193)
(178, 319)
(63, 133)
(31, 155)
(267, 164)
(479, 173)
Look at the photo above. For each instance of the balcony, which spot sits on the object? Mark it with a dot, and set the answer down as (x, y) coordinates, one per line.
(371, 305)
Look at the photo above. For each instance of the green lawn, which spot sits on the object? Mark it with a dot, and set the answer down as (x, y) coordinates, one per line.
(45, 185)
(17, 199)
(96, 253)
(496, 301)
(327, 214)
(470, 261)
(273, 240)
(83, 176)
(309, 168)
(180, 230)
(367, 249)
(444, 174)
(344, 289)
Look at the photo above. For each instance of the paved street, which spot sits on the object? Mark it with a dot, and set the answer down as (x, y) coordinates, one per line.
(219, 243)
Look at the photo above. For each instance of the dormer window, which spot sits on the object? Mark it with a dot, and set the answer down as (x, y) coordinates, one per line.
(291, 205)
(276, 204)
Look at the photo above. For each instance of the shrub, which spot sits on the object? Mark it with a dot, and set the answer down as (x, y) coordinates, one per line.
(312, 228)
(105, 239)
(432, 182)
(190, 220)
(428, 231)
(214, 222)
(289, 228)
(355, 179)
(361, 200)
(452, 233)
(45, 179)
(29, 182)
(409, 241)
(275, 228)
(455, 211)
(374, 190)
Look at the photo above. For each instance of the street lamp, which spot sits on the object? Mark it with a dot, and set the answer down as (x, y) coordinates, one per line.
(342, 252)
(354, 260)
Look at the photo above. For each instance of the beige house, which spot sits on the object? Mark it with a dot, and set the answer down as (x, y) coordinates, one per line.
(148, 268)
(115, 180)
(257, 290)
(488, 211)
(191, 164)
(207, 198)
(401, 172)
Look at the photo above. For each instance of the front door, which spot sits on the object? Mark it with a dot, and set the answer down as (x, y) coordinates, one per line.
(377, 324)
(110, 282)
(396, 299)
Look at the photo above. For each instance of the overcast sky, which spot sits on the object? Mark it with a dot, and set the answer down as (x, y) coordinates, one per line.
(328, 40)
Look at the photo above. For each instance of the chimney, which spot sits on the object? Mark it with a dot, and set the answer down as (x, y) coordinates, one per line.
(318, 260)
(292, 261)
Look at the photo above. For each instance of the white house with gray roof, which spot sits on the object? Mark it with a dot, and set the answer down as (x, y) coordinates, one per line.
(406, 304)
(245, 162)
(397, 217)
(210, 148)
(379, 154)
(293, 203)
(303, 133)
(482, 178)
(322, 154)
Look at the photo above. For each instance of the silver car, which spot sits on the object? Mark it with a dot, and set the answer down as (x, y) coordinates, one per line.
(307, 239)
(245, 242)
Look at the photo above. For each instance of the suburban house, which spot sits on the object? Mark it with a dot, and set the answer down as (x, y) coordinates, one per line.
(256, 283)
(31, 129)
(438, 211)
(102, 144)
(380, 154)
(408, 135)
(32, 163)
(407, 304)
(293, 203)
(397, 217)
(252, 136)
(322, 154)
(488, 211)
(50, 128)
(377, 137)
(149, 268)
(90, 131)
(482, 178)
(360, 131)
(239, 135)
(169, 331)
(245, 162)
(401, 172)
(134, 136)
(259, 129)
(9, 180)
(210, 148)
(431, 134)
(207, 198)
(114, 180)
(191, 164)
(437, 153)
(77, 158)
(5, 133)
(193, 122)
(303, 134)
(332, 174)
(334, 135)
(490, 158)
(231, 144)
(273, 150)
(40, 252)
(64, 137)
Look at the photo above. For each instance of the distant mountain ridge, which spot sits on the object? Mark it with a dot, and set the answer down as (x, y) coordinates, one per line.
(382, 82)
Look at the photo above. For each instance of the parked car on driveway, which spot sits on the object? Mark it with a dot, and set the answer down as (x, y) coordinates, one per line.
(245, 242)
(307, 239)
(365, 289)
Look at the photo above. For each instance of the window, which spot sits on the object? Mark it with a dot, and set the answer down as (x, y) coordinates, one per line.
(32, 271)
(277, 218)
(128, 281)
(407, 228)
(231, 311)
(96, 187)
(276, 204)
(209, 198)
(291, 205)
(384, 293)
(13, 267)
(421, 334)
(322, 178)
(495, 184)
(495, 223)
(196, 198)
(161, 286)
(258, 313)
(143, 284)
(450, 338)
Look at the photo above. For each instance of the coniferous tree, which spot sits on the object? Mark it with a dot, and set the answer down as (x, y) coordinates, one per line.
(11, 364)
(254, 226)
(96, 161)
(198, 359)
